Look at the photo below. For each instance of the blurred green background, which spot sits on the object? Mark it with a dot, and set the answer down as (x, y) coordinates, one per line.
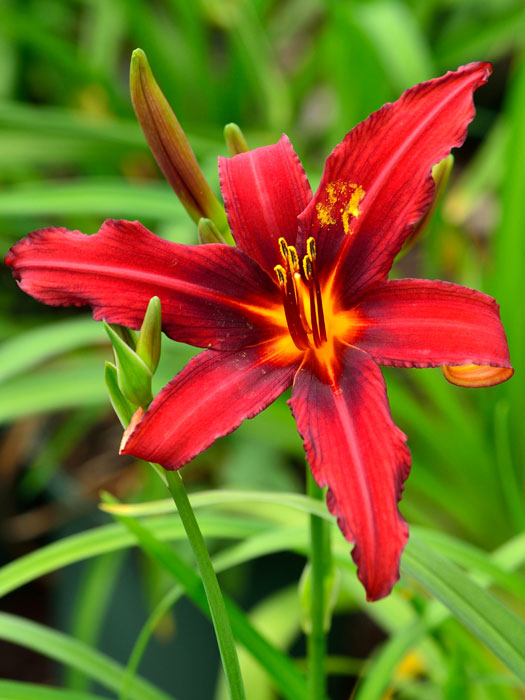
(71, 154)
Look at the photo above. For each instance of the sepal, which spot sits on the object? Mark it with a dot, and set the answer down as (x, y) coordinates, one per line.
(134, 376)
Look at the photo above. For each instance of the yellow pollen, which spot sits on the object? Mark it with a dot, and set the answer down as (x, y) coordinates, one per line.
(341, 202)
(284, 249)
(307, 267)
(281, 275)
(293, 259)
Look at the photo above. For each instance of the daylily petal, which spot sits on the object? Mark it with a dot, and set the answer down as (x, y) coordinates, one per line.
(423, 323)
(355, 449)
(209, 398)
(264, 191)
(377, 183)
(212, 295)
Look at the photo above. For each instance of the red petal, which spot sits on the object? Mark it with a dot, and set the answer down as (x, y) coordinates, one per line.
(264, 191)
(423, 323)
(355, 449)
(389, 156)
(212, 295)
(212, 395)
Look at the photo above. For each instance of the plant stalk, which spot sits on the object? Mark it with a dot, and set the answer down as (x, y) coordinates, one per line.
(319, 555)
(219, 616)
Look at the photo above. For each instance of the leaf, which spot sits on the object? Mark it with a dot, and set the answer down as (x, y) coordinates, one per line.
(71, 652)
(286, 677)
(485, 616)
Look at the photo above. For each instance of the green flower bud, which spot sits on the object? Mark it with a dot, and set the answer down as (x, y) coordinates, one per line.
(134, 376)
(149, 342)
(440, 173)
(169, 145)
(122, 407)
(235, 140)
(331, 584)
(208, 232)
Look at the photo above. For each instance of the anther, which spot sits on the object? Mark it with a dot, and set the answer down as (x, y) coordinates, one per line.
(284, 248)
(307, 268)
(310, 247)
(281, 275)
(293, 259)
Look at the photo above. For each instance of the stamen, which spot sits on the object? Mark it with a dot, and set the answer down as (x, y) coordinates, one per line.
(310, 247)
(293, 259)
(281, 275)
(284, 249)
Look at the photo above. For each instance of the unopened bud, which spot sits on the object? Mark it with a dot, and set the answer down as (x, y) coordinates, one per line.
(134, 376)
(331, 584)
(208, 232)
(235, 140)
(122, 407)
(149, 342)
(440, 173)
(169, 145)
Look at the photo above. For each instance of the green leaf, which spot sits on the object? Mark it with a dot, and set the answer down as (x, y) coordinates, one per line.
(18, 690)
(481, 612)
(71, 652)
(287, 678)
(33, 347)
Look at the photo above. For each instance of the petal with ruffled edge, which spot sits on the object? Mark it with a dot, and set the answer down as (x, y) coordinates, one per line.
(209, 398)
(423, 323)
(377, 182)
(264, 191)
(212, 295)
(355, 449)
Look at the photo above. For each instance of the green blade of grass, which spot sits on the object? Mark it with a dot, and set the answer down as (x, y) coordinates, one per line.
(482, 613)
(71, 652)
(291, 683)
(19, 690)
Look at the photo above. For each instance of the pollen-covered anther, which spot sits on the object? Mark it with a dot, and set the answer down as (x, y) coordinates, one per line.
(310, 248)
(281, 275)
(293, 259)
(284, 249)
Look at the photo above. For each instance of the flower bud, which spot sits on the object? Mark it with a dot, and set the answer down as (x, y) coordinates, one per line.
(331, 584)
(235, 140)
(170, 146)
(134, 376)
(440, 173)
(122, 407)
(208, 232)
(149, 342)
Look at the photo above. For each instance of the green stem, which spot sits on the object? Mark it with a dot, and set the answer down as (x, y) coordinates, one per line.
(318, 561)
(219, 616)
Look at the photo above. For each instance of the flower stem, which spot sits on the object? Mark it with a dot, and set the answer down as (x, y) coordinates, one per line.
(319, 553)
(219, 616)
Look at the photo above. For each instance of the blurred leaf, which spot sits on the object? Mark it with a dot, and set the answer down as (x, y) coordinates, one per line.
(31, 348)
(90, 608)
(290, 682)
(398, 40)
(73, 653)
(482, 613)
(17, 690)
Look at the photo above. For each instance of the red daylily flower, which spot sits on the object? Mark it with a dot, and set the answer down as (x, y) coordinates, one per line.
(302, 301)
